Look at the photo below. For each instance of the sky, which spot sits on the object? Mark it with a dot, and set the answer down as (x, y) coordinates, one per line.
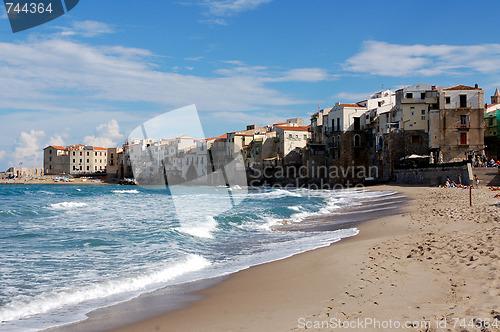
(94, 74)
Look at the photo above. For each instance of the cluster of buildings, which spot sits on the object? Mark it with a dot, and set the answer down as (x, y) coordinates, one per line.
(417, 125)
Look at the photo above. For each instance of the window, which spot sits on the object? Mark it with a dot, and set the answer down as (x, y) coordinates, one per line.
(415, 140)
(422, 95)
(88, 168)
(74, 153)
(80, 153)
(423, 112)
(447, 100)
(305, 136)
(338, 124)
(409, 95)
(412, 107)
(463, 101)
(50, 158)
(357, 140)
(463, 119)
(380, 103)
(356, 154)
(74, 161)
(338, 141)
(357, 124)
(88, 161)
(412, 113)
(423, 117)
(88, 153)
(463, 138)
(50, 151)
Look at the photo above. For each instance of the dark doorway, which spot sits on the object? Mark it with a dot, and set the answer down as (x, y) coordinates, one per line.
(463, 101)
(357, 124)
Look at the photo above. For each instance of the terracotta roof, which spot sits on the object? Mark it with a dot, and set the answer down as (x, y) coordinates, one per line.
(98, 148)
(351, 105)
(57, 147)
(299, 128)
(214, 138)
(461, 87)
(279, 123)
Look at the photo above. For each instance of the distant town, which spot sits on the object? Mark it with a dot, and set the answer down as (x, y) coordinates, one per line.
(419, 126)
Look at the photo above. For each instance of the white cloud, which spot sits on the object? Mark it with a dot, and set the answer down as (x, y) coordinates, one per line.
(2, 154)
(214, 21)
(266, 75)
(260, 119)
(231, 7)
(108, 135)
(56, 140)
(28, 149)
(302, 75)
(381, 58)
(194, 58)
(350, 97)
(61, 75)
(87, 29)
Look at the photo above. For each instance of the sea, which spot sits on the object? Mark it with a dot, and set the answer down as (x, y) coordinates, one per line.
(66, 250)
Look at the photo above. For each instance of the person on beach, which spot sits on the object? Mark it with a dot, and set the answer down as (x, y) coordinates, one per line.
(476, 179)
(460, 179)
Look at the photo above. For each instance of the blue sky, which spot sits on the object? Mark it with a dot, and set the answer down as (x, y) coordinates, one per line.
(94, 74)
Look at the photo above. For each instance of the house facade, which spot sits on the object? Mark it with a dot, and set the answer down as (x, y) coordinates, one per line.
(75, 159)
(457, 129)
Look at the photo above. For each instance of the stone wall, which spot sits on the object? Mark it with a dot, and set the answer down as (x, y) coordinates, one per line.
(434, 176)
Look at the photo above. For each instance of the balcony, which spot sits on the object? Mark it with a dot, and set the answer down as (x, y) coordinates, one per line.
(463, 125)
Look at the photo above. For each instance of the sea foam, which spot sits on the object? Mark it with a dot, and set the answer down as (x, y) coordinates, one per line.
(132, 191)
(67, 205)
(24, 306)
(202, 229)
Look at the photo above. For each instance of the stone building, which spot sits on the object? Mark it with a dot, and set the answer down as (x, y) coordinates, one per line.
(75, 159)
(456, 130)
(56, 160)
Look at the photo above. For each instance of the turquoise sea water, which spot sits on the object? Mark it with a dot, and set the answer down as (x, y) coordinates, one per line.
(67, 249)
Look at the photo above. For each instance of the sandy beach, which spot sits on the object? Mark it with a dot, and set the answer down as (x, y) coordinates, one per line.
(435, 267)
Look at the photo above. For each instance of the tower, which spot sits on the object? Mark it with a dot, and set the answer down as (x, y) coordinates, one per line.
(495, 99)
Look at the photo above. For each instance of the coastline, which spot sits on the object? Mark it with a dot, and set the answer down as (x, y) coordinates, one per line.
(386, 275)
(51, 181)
(273, 296)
